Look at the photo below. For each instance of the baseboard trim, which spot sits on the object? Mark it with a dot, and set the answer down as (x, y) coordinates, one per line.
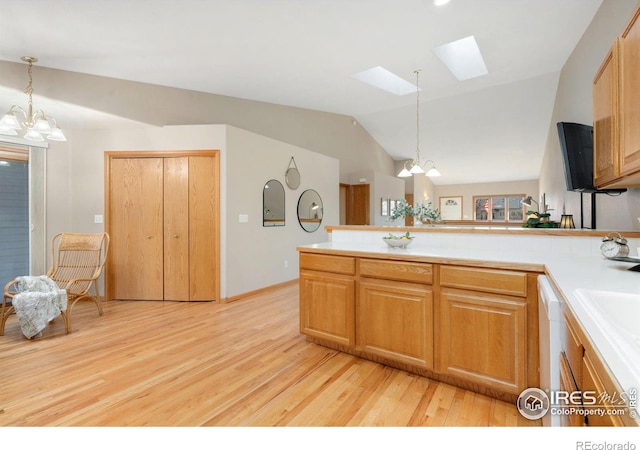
(263, 290)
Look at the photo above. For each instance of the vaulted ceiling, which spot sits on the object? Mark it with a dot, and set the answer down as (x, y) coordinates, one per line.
(303, 53)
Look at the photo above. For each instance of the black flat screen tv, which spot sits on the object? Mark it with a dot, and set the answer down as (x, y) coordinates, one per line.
(576, 144)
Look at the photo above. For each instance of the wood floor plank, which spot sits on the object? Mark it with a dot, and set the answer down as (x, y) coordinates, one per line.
(204, 364)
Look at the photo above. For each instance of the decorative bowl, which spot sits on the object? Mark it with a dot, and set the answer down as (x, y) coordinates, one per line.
(398, 242)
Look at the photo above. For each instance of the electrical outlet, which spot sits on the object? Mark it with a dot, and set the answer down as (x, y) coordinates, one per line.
(286, 264)
(97, 218)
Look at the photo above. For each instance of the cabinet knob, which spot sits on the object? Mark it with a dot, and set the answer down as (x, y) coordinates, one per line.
(175, 236)
(148, 237)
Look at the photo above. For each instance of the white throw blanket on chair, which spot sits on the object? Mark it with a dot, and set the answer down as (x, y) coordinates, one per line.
(39, 300)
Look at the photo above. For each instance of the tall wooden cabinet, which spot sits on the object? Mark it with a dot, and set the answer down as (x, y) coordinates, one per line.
(162, 216)
(616, 112)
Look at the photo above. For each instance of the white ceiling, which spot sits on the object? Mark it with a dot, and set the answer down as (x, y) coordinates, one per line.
(303, 53)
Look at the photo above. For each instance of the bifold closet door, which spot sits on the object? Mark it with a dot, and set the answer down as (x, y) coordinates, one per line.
(136, 253)
(176, 229)
(203, 247)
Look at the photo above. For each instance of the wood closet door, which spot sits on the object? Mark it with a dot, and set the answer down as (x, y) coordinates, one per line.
(136, 221)
(176, 228)
(203, 228)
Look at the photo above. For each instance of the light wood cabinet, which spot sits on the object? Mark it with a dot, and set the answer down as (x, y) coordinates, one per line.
(162, 218)
(571, 417)
(327, 298)
(629, 62)
(327, 307)
(582, 371)
(469, 326)
(606, 166)
(616, 112)
(483, 339)
(395, 321)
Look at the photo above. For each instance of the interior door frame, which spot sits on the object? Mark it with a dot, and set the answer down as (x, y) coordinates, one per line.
(110, 155)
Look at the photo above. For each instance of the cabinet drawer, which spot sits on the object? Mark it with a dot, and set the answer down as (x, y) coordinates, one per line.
(327, 263)
(396, 270)
(486, 280)
(573, 349)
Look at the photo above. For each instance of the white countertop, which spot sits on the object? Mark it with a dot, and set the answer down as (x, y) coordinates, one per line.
(567, 273)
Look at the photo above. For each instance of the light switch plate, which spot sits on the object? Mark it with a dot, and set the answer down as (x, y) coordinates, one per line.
(97, 218)
(242, 218)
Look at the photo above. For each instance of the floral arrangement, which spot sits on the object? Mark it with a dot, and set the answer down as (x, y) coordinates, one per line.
(401, 210)
(423, 212)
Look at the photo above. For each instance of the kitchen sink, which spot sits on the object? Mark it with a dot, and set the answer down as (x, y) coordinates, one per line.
(617, 315)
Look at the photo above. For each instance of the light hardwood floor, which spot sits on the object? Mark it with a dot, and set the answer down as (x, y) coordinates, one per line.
(202, 364)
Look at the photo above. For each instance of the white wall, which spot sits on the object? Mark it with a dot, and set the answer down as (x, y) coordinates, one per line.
(251, 256)
(574, 104)
(256, 254)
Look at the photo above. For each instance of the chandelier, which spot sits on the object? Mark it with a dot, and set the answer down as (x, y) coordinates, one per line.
(418, 165)
(35, 125)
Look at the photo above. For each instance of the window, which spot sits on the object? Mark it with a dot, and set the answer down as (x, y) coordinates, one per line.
(499, 208)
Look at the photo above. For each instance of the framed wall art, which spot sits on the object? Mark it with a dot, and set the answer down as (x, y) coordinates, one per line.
(451, 208)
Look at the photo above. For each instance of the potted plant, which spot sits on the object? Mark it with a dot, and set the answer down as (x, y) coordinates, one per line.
(401, 210)
(426, 213)
(421, 212)
(539, 220)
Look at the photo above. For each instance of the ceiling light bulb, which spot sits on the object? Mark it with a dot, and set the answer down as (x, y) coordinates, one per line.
(440, 2)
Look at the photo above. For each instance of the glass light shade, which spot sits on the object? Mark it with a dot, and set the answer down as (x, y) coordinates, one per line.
(56, 135)
(8, 131)
(433, 172)
(9, 120)
(42, 126)
(416, 169)
(33, 135)
(404, 173)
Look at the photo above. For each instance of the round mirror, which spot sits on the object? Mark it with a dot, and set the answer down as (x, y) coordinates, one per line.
(273, 204)
(292, 177)
(310, 210)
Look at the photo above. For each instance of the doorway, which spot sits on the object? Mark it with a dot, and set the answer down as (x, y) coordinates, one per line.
(354, 204)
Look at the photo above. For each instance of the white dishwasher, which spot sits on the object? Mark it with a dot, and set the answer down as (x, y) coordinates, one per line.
(549, 317)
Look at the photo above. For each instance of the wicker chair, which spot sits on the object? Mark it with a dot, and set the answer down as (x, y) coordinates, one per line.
(77, 260)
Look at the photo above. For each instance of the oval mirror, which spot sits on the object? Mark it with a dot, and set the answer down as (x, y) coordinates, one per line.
(310, 210)
(292, 177)
(273, 204)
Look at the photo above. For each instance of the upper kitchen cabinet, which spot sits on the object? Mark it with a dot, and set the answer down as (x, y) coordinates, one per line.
(616, 112)
(605, 120)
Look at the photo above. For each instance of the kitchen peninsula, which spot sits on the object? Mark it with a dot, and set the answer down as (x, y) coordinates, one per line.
(458, 305)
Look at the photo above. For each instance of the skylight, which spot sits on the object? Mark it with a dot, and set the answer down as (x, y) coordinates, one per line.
(383, 79)
(462, 58)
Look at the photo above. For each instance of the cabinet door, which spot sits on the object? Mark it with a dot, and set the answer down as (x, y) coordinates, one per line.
(176, 229)
(136, 228)
(605, 129)
(573, 416)
(483, 339)
(395, 321)
(591, 382)
(629, 94)
(327, 307)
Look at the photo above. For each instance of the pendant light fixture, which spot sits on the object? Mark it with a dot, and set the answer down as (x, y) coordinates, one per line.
(418, 165)
(35, 125)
